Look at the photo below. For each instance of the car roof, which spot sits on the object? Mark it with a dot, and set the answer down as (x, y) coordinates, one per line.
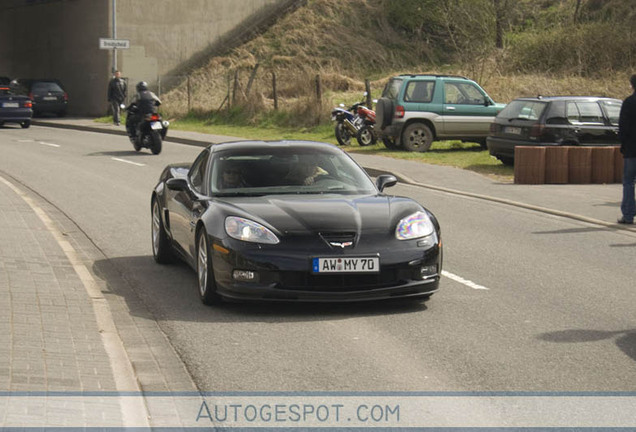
(431, 76)
(277, 144)
(564, 98)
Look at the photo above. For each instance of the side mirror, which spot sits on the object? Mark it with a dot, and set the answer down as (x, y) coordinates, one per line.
(385, 181)
(488, 102)
(177, 184)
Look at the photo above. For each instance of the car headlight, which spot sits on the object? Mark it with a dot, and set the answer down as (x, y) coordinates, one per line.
(414, 226)
(249, 231)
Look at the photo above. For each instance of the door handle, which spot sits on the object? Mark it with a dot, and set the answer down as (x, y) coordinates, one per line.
(450, 108)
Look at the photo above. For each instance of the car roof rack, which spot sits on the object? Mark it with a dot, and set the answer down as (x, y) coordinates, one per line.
(434, 75)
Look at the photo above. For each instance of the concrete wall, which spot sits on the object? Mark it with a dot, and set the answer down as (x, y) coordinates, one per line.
(57, 39)
(60, 39)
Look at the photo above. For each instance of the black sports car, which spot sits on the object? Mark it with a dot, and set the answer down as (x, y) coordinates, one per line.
(293, 221)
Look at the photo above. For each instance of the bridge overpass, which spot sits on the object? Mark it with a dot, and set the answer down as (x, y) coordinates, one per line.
(60, 39)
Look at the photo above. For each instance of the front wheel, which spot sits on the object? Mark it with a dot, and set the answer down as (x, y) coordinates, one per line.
(417, 137)
(155, 142)
(161, 248)
(205, 272)
(366, 136)
(343, 136)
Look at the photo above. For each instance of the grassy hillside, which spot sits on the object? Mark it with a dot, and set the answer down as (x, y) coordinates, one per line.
(512, 47)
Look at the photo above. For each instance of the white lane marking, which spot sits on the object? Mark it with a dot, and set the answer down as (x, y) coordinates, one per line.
(463, 281)
(48, 144)
(128, 162)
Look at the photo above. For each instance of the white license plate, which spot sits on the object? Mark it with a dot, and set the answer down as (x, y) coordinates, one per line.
(346, 265)
(10, 105)
(49, 98)
(513, 130)
(155, 125)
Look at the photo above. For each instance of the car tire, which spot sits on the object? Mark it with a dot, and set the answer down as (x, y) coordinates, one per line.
(390, 143)
(506, 160)
(161, 247)
(25, 124)
(417, 137)
(384, 112)
(205, 271)
(483, 144)
(343, 136)
(366, 136)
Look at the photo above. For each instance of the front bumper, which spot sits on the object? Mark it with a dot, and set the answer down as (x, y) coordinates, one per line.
(287, 276)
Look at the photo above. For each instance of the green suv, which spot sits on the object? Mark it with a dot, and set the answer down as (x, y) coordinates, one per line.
(416, 110)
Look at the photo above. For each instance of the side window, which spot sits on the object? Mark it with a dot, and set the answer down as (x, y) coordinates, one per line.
(613, 110)
(463, 94)
(453, 95)
(573, 113)
(197, 171)
(590, 112)
(419, 91)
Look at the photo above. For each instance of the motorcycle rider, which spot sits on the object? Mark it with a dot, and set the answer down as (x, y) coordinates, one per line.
(146, 102)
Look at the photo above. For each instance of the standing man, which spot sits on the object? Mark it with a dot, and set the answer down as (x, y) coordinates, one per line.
(627, 135)
(117, 92)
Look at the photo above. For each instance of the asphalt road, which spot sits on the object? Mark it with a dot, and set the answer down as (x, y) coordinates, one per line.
(530, 302)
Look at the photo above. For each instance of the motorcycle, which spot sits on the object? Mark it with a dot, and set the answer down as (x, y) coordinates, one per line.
(149, 131)
(366, 134)
(347, 123)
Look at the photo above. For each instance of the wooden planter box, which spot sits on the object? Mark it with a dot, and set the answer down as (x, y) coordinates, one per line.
(603, 164)
(556, 165)
(529, 165)
(580, 165)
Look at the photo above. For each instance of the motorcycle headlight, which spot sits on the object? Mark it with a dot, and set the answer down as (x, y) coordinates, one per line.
(249, 231)
(414, 226)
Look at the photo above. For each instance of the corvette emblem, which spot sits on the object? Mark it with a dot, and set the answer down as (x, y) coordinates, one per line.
(341, 244)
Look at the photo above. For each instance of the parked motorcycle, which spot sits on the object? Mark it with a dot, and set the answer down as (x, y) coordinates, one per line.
(366, 134)
(149, 131)
(347, 123)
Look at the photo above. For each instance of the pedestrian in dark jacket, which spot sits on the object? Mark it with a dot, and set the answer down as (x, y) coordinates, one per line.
(627, 135)
(117, 91)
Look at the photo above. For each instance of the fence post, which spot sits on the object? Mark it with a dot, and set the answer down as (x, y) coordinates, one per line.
(189, 102)
(235, 90)
(229, 91)
(249, 83)
(319, 90)
(275, 94)
(367, 87)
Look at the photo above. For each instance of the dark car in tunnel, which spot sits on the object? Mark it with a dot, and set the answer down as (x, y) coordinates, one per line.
(48, 96)
(14, 108)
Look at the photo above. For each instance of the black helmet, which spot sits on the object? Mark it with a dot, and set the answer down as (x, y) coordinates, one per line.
(142, 85)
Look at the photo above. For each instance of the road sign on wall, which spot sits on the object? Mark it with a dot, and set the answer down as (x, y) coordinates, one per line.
(113, 43)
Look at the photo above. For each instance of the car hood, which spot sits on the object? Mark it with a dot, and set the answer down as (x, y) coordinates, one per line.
(301, 214)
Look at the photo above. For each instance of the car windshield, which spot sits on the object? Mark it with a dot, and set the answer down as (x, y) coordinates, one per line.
(286, 170)
(392, 88)
(46, 87)
(522, 110)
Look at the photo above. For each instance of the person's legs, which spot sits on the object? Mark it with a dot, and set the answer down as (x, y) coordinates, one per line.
(115, 106)
(628, 205)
